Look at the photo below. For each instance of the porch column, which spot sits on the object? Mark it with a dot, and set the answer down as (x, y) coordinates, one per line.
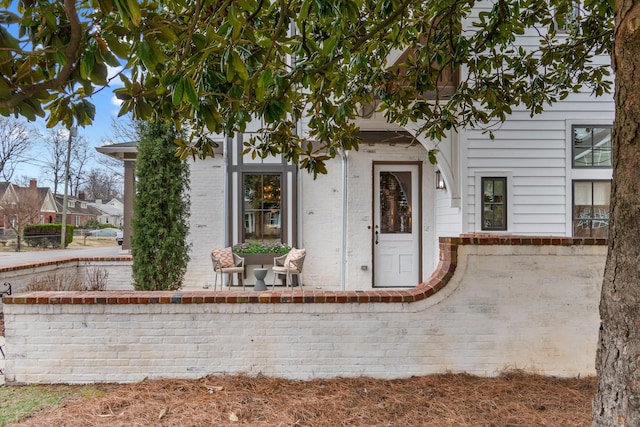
(129, 192)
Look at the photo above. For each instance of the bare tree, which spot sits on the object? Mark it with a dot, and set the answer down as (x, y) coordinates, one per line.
(113, 167)
(21, 210)
(81, 154)
(22, 180)
(56, 144)
(125, 129)
(102, 184)
(16, 138)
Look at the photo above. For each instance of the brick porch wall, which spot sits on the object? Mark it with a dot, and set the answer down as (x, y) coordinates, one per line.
(493, 303)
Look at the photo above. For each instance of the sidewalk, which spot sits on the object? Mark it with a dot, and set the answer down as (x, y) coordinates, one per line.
(16, 258)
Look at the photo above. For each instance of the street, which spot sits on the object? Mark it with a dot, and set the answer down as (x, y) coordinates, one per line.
(16, 258)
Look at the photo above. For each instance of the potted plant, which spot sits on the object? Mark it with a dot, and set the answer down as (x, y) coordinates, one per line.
(260, 253)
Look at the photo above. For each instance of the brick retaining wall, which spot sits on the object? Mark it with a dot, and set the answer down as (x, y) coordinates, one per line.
(493, 303)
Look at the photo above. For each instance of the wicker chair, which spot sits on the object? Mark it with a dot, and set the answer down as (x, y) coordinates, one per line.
(289, 265)
(218, 269)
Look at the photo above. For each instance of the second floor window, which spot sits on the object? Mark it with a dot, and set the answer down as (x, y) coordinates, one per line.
(592, 147)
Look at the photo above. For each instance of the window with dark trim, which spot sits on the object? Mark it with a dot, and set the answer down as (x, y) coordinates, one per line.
(262, 204)
(591, 208)
(262, 197)
(494, 203)
(591, 146)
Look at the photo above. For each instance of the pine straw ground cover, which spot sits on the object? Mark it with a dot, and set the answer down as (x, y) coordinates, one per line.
(513, 399)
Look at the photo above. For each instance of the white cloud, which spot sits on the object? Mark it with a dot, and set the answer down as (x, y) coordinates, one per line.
(115, 101)
(111, 73)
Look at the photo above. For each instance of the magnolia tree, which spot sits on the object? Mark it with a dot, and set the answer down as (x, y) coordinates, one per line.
(216, 65)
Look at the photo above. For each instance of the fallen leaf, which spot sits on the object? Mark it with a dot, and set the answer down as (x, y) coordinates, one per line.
(213, 388)
(163, 413)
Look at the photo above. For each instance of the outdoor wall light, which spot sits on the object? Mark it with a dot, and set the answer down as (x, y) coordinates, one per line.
(440, 181)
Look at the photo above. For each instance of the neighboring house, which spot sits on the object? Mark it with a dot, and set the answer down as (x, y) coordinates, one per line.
(111, 212)
(46, 200)
(79, 211)
(375, 219)
(7, 192)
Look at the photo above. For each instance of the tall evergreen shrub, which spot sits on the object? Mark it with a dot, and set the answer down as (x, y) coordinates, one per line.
(161, 208)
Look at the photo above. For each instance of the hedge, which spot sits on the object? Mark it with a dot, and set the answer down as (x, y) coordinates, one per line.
(45, 235)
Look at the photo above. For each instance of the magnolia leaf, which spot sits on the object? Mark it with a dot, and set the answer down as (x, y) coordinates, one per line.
(238, 66)
(119, 49)
(106, 6)
(212, 118)
(134, 11)
(178, 92)
(86, 65)
(190, 91)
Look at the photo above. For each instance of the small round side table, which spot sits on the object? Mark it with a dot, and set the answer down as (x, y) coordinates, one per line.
(260, 274)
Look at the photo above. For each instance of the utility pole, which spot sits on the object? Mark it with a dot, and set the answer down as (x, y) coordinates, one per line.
(73, 131)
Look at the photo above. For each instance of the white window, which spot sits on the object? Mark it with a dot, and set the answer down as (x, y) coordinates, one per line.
(590, 169)
(592, 146)
(566, 16)
(591, 208)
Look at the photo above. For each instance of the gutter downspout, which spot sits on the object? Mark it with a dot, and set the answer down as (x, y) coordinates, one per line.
(225, 185)
(343, 219)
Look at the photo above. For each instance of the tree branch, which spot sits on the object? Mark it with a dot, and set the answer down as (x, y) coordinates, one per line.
(65, 72)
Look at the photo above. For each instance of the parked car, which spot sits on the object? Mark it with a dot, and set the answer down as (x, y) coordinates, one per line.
(104, 232)
(119, 237)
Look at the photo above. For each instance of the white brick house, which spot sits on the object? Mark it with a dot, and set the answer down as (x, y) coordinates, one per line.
(374, 220)
(533, 180)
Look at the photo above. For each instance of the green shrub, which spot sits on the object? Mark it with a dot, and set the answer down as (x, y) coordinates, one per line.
(47, 235)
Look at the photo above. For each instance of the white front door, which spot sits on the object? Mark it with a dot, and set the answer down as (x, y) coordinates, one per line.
(396, 228)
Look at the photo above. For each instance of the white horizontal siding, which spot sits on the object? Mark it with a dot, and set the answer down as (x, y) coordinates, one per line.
(538, 190)
(447, 218)
(547, 208)
(523, 152)
(537, 200)
(532, 151)
(514, 162)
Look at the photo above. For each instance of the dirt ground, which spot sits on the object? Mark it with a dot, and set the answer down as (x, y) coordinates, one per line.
(460, 400)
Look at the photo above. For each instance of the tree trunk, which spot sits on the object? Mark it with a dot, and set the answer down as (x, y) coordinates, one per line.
(617, 402)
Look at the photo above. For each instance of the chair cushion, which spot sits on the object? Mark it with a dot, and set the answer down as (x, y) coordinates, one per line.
(225, 256)
(294, 255)
(283, 270)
